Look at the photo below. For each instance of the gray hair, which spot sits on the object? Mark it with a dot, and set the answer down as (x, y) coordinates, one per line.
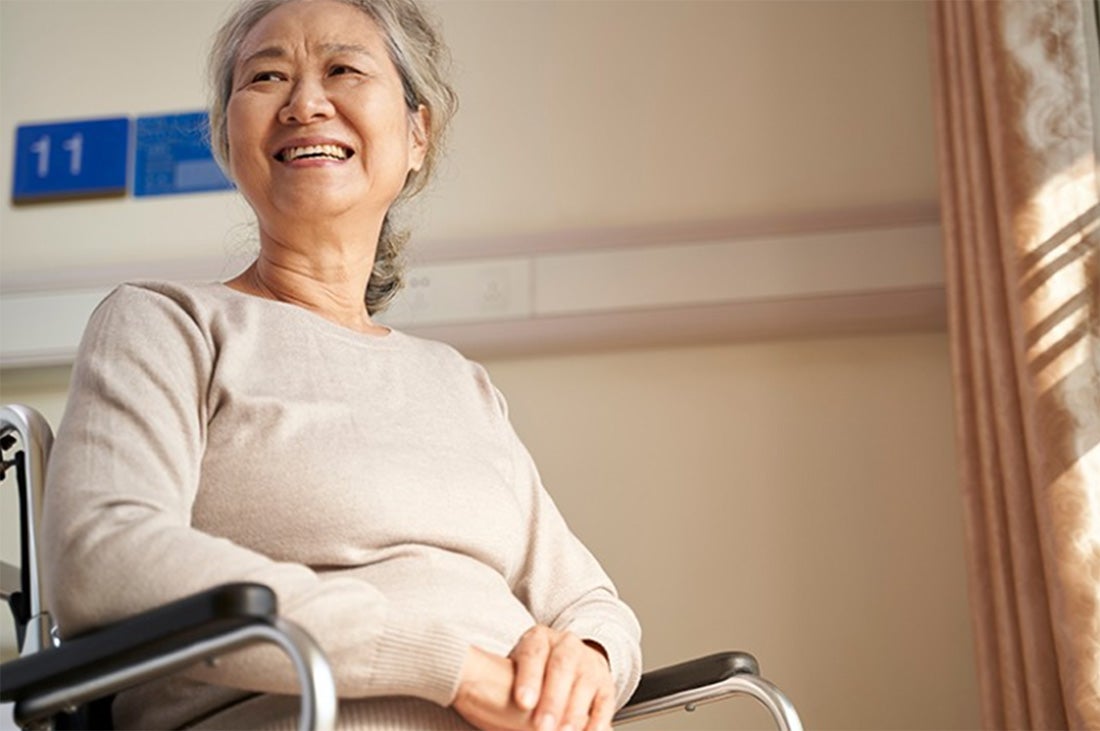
(421, 58)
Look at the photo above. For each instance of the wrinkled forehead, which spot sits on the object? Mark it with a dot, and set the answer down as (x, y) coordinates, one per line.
(312, 27)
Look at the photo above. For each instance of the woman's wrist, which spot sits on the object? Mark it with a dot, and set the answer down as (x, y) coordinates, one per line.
(600, 649)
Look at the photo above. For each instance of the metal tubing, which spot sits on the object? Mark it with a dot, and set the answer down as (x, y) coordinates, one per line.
(37, 438)
(782, 710)
(318, 711)
(318, 704)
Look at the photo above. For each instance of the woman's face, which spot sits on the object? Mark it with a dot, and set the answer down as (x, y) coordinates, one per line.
(317, 121)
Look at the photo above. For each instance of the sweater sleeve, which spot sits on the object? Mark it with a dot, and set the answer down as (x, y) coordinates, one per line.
(562, 583)
(123, 477)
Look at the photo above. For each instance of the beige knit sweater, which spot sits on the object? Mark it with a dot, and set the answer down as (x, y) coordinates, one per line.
(373, 482)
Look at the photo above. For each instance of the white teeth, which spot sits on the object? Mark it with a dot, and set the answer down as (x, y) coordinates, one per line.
(334, 151)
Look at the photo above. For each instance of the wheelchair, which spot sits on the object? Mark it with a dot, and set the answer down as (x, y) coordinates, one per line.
(69, 684)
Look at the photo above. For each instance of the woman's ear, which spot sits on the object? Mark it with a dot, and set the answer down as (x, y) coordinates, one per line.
(419, 127)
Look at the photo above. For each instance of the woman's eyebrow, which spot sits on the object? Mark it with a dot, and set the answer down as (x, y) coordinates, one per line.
(334, 48)
(266, 52)
(328, 48)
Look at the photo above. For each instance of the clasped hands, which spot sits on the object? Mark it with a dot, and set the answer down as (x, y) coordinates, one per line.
(551, 681)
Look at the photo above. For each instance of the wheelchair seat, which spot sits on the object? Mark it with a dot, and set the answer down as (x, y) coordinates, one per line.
(52, 683)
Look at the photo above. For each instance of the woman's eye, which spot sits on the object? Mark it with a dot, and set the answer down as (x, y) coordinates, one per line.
(265, 76)
(342, 70)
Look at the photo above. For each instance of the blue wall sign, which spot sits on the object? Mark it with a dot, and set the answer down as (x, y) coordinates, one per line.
(172, 155)
(70, 159)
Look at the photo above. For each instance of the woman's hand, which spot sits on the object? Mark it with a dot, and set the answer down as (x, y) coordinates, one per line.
(485, 694)
(563, 681)
(551, 681)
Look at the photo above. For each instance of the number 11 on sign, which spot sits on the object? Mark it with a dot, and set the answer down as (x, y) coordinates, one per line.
(74, 145)
(71, 159)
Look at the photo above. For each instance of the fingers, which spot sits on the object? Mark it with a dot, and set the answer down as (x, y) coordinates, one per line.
(530, 655)
(577, 708)
(603, 710)
(558, 684)
(577, 691)
(484, 696)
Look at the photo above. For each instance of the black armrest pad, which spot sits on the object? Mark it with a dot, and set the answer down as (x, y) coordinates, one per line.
(139, 637)
(693, 674)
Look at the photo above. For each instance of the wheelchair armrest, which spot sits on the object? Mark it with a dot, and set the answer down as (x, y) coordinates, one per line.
(704, 680)
(161, 641)
(693, 674)
(143, 635)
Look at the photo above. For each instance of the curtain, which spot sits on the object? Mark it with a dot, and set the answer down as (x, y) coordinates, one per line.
(1017, 89)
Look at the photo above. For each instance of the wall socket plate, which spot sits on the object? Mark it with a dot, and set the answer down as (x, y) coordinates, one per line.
(457, 292)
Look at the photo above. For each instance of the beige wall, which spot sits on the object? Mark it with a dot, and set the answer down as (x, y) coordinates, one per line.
(574, 115)
(795, 499)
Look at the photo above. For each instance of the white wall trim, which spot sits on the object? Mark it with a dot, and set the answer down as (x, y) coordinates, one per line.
(881, 270)
(432, 251)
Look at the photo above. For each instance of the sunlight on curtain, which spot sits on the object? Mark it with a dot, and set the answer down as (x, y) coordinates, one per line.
(1057, 247)
(1017, 85)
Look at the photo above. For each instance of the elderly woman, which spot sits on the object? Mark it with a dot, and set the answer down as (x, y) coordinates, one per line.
(268, 429)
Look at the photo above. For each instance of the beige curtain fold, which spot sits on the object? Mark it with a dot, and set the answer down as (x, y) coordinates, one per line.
(1018, 125)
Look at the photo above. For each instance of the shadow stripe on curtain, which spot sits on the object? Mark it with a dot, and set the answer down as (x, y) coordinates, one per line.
(1019, 199)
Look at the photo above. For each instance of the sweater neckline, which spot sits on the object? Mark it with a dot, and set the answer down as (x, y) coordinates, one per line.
(388, 339)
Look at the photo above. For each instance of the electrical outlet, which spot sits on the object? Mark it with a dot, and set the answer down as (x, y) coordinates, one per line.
(440, 294)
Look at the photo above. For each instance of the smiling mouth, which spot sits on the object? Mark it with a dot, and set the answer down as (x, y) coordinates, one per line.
(314, 152)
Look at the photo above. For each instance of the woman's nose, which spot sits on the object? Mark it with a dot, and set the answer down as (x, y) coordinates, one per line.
(308, 102)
